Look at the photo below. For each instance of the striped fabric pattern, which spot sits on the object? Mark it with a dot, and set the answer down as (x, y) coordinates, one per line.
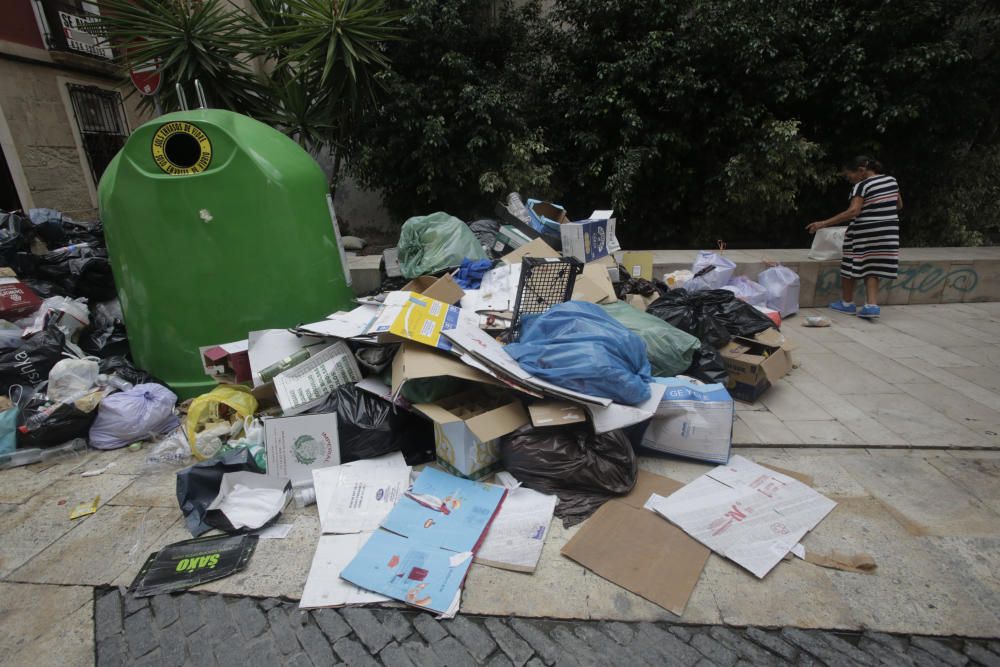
(871, 243)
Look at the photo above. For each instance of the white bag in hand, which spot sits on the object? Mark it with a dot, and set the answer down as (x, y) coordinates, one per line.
(782, 285)
(828, 244)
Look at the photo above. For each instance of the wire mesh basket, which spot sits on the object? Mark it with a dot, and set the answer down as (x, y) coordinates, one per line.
(545, 282)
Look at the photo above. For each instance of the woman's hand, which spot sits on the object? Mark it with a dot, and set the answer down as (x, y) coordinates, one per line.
(814, 227)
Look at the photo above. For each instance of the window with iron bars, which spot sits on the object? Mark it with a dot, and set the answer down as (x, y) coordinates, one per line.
(100, 117)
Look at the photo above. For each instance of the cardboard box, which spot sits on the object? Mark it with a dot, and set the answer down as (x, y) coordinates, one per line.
(639, 302)
(468, 428)
(638, 264)
(546, 217)
(443, 289)
(414, 362)
(753, 366)
(229, 362)
(297, 445)
(509, 238)
(594, 285)
(588, 240)
(637, 550)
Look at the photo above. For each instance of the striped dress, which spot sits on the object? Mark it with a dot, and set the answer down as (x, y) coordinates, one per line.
(871, 243)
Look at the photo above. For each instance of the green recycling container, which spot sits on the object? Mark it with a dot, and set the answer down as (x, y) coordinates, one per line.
(217, 225)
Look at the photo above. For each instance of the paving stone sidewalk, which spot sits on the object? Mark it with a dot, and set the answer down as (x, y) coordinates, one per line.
(206, 629)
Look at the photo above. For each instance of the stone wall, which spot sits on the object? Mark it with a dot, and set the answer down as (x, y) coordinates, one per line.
(35, 106)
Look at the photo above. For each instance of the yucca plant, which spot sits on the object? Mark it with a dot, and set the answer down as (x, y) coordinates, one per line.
(310, 68)
(188, 39)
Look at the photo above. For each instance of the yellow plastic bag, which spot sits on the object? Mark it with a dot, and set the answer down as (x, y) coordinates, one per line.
(204, 410)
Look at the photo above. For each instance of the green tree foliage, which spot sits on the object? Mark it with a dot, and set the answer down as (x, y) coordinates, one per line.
(455, 131)
(696, 119)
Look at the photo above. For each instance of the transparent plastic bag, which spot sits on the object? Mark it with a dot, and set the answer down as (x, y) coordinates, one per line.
(210, 409)
(72, 377)
(669, 349)
(170, 453)
(747, 290)
(433, 242)
(782, 285)
(718, 271)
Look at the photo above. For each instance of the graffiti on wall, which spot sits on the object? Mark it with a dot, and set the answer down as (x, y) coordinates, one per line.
(919, 278)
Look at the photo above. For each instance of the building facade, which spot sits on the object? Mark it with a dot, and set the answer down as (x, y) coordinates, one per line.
(64, 110)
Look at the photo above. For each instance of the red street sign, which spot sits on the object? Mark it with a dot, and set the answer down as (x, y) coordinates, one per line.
(145, 77)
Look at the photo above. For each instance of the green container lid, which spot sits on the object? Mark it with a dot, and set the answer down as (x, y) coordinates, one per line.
(217, 225)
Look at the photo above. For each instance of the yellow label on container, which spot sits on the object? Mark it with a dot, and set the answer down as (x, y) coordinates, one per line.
(181, 149)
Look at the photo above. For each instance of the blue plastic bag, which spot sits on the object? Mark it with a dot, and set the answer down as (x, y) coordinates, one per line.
(577, 346)
(8, 430)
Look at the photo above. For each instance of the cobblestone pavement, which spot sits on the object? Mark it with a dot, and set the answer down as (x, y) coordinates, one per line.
(205, 629)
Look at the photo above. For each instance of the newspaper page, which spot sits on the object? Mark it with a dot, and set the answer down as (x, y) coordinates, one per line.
(750, 514)
(309, 383)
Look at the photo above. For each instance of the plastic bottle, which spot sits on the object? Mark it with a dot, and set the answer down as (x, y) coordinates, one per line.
(113, 381)
(304, 496)
(23, 457)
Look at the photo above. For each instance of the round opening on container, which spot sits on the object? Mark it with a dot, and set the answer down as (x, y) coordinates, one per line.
(182, 149)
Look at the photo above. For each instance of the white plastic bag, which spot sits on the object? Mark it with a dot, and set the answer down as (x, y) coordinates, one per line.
(716, 278)
(676, 279)
(71, 378)
(747, 290)
(782, 285)
(141, 413)
(828, 244)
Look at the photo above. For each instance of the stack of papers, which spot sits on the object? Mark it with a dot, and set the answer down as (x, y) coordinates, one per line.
(750, 514)
(352, 500)
(425, 547)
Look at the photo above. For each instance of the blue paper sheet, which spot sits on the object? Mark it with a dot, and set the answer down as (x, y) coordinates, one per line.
(454, 514)
(408, 570)
(423, 550)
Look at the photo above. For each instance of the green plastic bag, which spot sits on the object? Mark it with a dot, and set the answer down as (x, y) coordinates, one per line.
(670, 350)
(433, 242)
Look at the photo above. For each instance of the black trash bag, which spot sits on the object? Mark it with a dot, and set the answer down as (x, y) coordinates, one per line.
(368, 426)
(27, 361)
(707, 366)
(44, 288)
(80, 270)
(47, 224)
(693, 313)
(45, 424)
(639, 286)
(198, 485)
(106, 336)
(742, 319)
(127, 371)
(485, 231)
(15, 243)
(583, 469)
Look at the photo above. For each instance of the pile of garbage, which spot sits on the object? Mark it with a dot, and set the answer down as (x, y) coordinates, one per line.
(66, 376)
(527, 351)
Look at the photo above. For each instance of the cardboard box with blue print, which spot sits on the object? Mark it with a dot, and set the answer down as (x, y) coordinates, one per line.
(591, 239)
(468, 428)
(753, 366)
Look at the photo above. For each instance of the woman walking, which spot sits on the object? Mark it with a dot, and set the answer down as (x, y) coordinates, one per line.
(871, 243)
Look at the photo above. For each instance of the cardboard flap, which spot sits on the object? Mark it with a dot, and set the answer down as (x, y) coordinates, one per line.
(777, 365)
(646, 484)
(598, 274)
(414, 361)
(499, 422)
(435, 413)
(537, 248)
(638, 264)
(443, 289)
(555, 413)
